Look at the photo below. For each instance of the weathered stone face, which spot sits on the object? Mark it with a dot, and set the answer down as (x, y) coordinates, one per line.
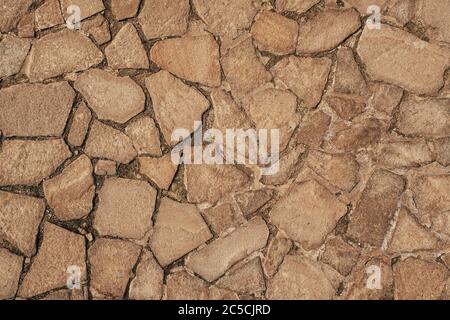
(12, 267)
(13, 52)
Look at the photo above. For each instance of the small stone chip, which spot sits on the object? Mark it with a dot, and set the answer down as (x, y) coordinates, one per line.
(13, 52)
(148, 283)
(11, 266)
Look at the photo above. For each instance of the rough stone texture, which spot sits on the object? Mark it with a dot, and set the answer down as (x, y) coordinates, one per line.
(112, 98)
(348, 77)
(48, 15)
(411, 63)
(359, 135)
(126, 50)
(313, 129)
(159, 170)
(299, 6)
(340, 255)
(13, 52)
(346, 107)
(59, 250)
(71, 193)
(25, 27)
(245, 279)
(195, 59)
(275, 33)
(306, 77)
(363, 5)
(62, 52)
(170, 97)
(87, 7)
(435, 16)
(26, 162)
(145, 136)
(251, 201)
(326, 30)
(222, 218)
(442, 150)
(431, 193)
(217, 257)
(125, 208)
(11, 266)
(385, 97)
(371, 217)
(182, 285)
(111, 261)
(98, 28)
(124, 9)
(404, 154)
(417, 279)
(105, 168)
(307, 213)
(148, 283)
(11, 12)
(106, 142)
(299, 279)
(277, 249)
(80, 125)
(31, 110)
(163, 18)
(20, 217)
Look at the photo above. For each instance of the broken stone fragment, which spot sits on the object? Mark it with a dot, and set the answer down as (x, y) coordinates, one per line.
(327, 30)
(277, 249)
(341, 170)
(32, 110)
(159, 170)
(442, 151)
(106, 142)
(227, 18)
(148, 283)
(306, 77)
(125, 208)
(126, 51)
(363, 5)
(222, 218)
(402, 11)
(182, 285)
(105, 168)
(80, 125)
(298, 6)
(299, 278)
(431, 194)
(340, 255)
(25, 27)
(179, 229)
(404, 154)
(216, 258)
(275, 33)
(87, 7)
(385, 97)
(359, 135)
(111, 261)
(71, 193)
(195, 59)
(122, 10)
(145, 136)
(11, 12)
(244, 279)
(164, 18)
(26, 162)
(311, 221)
(98, 28)
(59, 250)
(435, 16)
(412, 64)
(48, 15)
(61, 52)
(371, 218)
(11, 266)
(346, 107)
(348, 77)
(112, 98)
(417, 279)
(176, 105)
(208, 183)
(313, 129)
(251, 201)
(13, 52)
(20, 217)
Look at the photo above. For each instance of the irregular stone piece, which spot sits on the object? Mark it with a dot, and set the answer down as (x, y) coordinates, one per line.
(80, 125)
(359, 135)
(222, 218)
(145, 136)
(179, 229)
(306, 77)
(163, 18)
(148, 283)
(215, 259)
(436, 17)
(208, 183)
(340, 255)
(105, 168)
(126, 51)
(402, 59)
(59, 250)
(417, 279)
(363, 5)
(61, 52)
(229, 17)
(402, 10)
(111, 261)
(182, 285)
(348, 77)
(251, 201)
(11, 266)
(106, 142)
(308, 213)
(431, 193)
(111, 97)
(410, 236)
(25, 27)
(245, 279)
(11, 12)
(327, 30)
(98, 28)
(87, 7)
(341, 170)
(441, 222)
(385, 97)
(243, 69)
(313, 129)
(371, 217)
(299, 6)
(71, 193)
(299, 278)
(13, 52)
(124, 9)
(31, 110)
(48, 15)
(442, 150)
(125, 208)
(404, 154)
(26, 162)
(346, 107)
(171, 98)
(20, 217)
(195, 59)
(427, 118)
(277, 249)
(160, 170)
(275, 33)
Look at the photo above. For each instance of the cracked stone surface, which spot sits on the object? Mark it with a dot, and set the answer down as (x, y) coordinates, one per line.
(88, 126)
